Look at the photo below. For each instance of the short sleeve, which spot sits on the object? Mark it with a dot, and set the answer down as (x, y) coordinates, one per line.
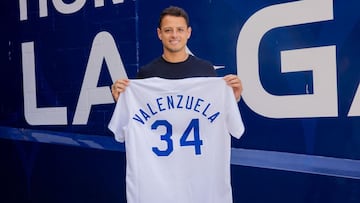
(119, 119)
(234, 121)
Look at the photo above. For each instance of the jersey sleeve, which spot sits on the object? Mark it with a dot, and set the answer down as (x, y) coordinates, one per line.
(119, 119)
(234, 121)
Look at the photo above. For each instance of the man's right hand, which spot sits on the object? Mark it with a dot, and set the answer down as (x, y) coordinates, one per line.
(118, 87)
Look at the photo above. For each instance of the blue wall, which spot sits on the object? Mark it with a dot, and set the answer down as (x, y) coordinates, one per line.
(48, 52)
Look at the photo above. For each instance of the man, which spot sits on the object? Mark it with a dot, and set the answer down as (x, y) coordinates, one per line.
(175, 63)
(177, 143)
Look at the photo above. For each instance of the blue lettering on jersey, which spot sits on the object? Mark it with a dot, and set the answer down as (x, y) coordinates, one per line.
(170, 102)
(179, 101)
(185, 102)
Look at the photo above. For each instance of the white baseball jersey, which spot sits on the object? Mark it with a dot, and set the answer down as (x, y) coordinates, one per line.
(177, 140)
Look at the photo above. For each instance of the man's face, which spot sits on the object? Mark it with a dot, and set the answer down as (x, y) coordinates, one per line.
(174, 33)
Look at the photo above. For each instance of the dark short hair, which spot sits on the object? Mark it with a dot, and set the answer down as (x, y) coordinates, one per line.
(174, 11)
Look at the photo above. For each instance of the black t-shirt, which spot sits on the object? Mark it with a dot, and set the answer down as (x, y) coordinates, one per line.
(191, 67)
